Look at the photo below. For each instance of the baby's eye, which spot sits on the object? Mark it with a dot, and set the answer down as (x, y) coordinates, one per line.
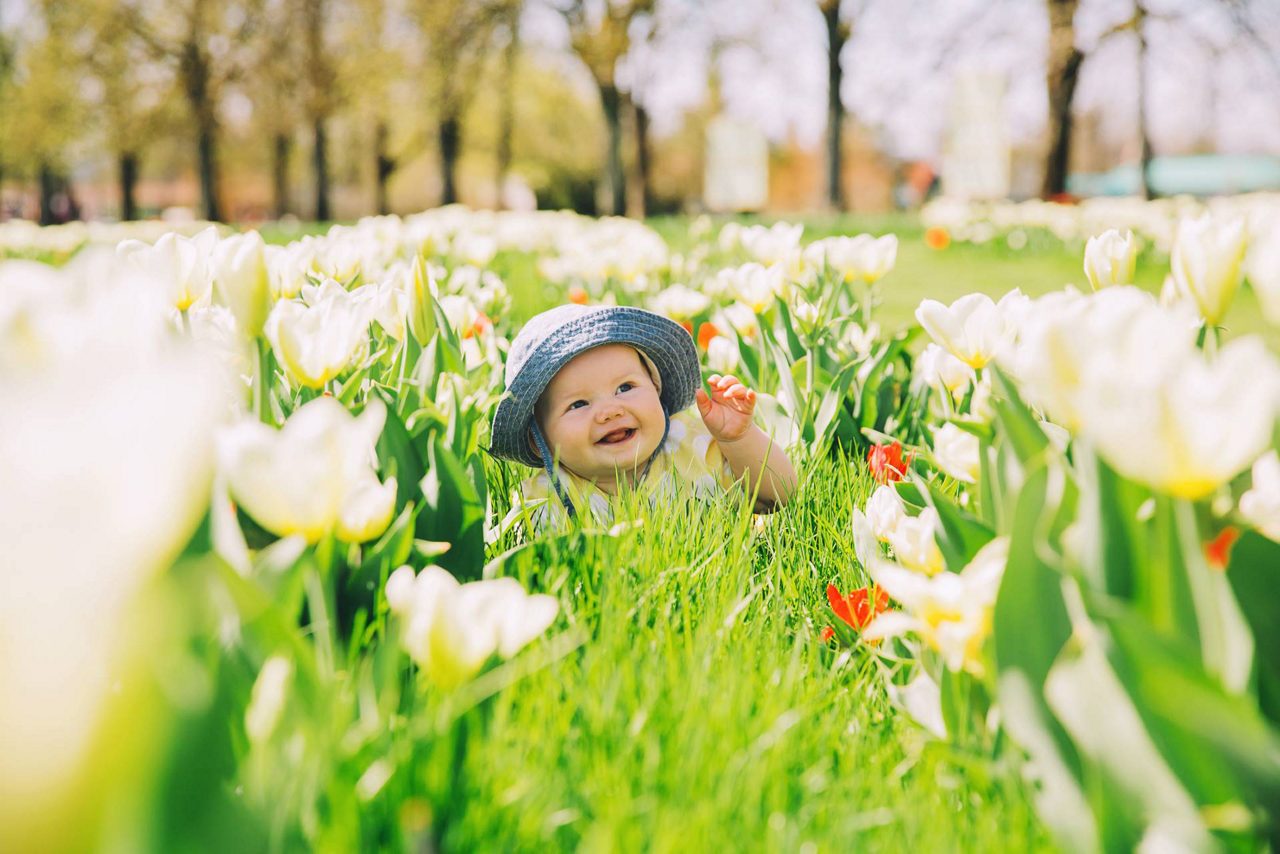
(626, 387)
(577, 404)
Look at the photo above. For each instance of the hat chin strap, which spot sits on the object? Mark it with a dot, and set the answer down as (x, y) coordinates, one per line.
(548, 462)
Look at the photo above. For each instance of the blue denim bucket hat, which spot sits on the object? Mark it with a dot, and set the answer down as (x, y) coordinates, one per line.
(549, 341)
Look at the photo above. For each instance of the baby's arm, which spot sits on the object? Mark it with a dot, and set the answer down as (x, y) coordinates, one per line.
(750, 453)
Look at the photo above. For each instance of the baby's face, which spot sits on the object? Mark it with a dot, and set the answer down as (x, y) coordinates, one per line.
(601, 414)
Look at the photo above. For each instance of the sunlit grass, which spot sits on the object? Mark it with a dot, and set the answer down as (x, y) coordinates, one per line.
(703, 713)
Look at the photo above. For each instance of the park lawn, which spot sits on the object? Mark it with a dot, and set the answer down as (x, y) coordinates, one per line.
(703, 713)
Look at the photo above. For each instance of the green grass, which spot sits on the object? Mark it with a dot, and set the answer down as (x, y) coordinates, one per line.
(702, 713)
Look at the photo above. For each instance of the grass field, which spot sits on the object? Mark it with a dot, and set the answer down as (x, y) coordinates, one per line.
(702, 713)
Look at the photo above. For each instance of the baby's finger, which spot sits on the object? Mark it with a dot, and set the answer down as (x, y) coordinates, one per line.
(728, 380)
(737, 390)
(713, 380)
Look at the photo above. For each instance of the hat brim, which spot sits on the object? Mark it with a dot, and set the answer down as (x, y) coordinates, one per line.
(667, 344)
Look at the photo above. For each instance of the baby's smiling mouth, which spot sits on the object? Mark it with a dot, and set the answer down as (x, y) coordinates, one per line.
(617, 437)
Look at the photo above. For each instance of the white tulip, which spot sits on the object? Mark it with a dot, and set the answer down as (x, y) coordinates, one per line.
(861, 257)
(1261, 504)
(772, 244)
(972, 328)
(450, 629)
(723, 355)
(1263, 265)
(106, 463)
(680, 303)
(313, 476)
(316, 343)
(957, 452)
(950, 611)
(1206, 262)
(755, 286)
(1110, 259)
(182, 263)
(885, 511)
(242, 282)
(1183, 426)
(944, 372)
(914, 542)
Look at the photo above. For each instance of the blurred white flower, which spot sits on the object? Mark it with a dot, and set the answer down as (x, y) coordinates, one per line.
(860, 257)
(450, 629)
(741, 319)
(957, 452)
(242, 282)
(885, 510)
(313, 476)
(183, 264)
(473, 247)
(774, 244)
(1263, 266)
(972, 328)
(755, 286)
(1110, 259)
(316, 342)
(723, 355)
(267, 700)
(1260, 505)
(1175, 421)
(1206, 261)
(914, 542)
(861, 341)
(950, 611)
(679, 302)
(944, 372)
(806, 314)
(106, 461)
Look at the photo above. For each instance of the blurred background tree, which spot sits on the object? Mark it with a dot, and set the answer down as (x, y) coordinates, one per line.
(337, 108)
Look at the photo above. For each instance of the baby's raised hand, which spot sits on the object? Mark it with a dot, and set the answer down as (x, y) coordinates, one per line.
(727, 410)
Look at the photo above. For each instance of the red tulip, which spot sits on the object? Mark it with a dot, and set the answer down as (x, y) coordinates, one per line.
(887, 462)
(1218, 550)
(856, 607)
(706, 332)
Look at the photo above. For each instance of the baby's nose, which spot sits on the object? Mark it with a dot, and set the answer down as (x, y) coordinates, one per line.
(608, 411)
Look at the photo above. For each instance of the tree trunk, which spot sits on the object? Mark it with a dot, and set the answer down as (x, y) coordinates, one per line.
(384, 165)
(450, 138)
(48, 186)
(1063, 73)
(128, 182)
(644, 171)
(281, 151)
(320, 152)
(207, 155)
(507, 106)
(1144, 165)
(837, 36)
(615, 180)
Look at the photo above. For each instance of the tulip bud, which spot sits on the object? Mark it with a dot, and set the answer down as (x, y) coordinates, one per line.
(240, 275)
(1110, 259)
(956, 452)
(422, 317)
(1206, 261)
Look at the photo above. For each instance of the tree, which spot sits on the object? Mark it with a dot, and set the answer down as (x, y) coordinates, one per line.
(507, 97)
(321, 96)
(600, 36)
(132, 106)
(207, 43)
(275, 75)
(46, 96)
(838, 32)
(458, 35)
(1063, 72)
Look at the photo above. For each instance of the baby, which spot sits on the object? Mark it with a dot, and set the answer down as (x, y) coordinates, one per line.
(606, 392)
